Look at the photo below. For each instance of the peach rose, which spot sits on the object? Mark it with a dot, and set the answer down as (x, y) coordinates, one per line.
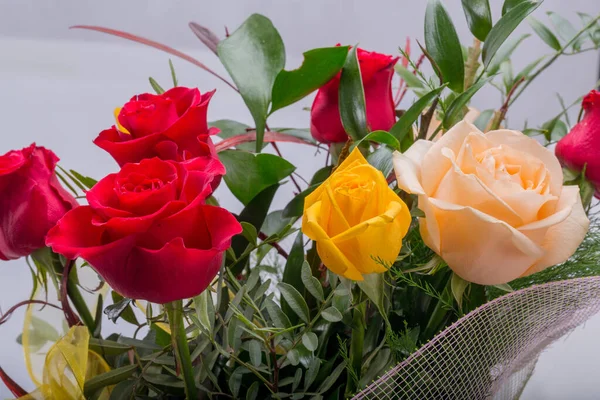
(495, 206)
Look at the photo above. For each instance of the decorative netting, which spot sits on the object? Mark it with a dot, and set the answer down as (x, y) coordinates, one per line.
(491, 352)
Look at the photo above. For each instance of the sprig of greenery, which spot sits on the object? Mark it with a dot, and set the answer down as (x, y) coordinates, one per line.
(343, 352)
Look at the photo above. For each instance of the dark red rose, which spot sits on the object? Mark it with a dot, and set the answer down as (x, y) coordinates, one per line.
(171, 126)
(148, 231)
(31, 200)
(581, 147)
(376, 71)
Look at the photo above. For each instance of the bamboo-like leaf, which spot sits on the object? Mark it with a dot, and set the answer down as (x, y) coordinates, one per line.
(352, 98)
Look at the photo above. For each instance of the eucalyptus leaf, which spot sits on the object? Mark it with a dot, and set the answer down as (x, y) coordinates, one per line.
(504, 27)
(255, 351)
(352, 98)
(253, 391)
(293, 357)
(312, 284)
(319, 66)
(331, 314)
(310, 341)
(312, 372)
(332, 378)
(295, 301)
(280, 320)
(254, 55)
(297, 379)
(443, 45)
(479, 17)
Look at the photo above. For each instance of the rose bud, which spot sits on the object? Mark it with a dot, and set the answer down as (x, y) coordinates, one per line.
(31, 200)
(581, 147)
(376, 71)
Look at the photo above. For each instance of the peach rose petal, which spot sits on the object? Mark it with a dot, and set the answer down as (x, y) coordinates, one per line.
(438, 165)
(480, 248)
(562, 239)
(408, 166)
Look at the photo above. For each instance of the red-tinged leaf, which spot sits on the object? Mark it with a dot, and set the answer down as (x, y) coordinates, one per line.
(156, 45)
(251, 136)
(14, 388)
(206, 36)
(70, 316)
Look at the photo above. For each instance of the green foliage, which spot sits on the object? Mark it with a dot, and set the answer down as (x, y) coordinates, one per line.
(443, 45)
(254, 55)
(479, 17)
(352, 98)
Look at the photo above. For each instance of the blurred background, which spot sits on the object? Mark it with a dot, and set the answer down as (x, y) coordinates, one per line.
(60, 88)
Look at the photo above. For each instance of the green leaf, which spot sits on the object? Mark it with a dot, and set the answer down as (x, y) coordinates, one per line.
(275, 223)
(379, 137)
(455, 110)
(249, 232)
(292, 272)
(563, 27)
(312, 284)
(123, 390)
(235, 380)
(297, 378)
(411, 79)
(294, 357)
(527, 70)
(280, 320)
(121, 307)
(249, 174)
(544, 33)
(352, 98)
(295, 300)
(108, 347)
(310, 341)
(255, 353)
(504, 27)
(229, 128)
(458, 286)
(295, 208)
(332, 378)
(173, 75)
(443, 45)
(254, 213)
(111, 377)
(382, 160)
(312, 372)
(505, 287)
(373, 286)
(503, 54)
(331, 314)
(155, 86)
(318, 68)
(482, 121)
(254, 55)
(85, 180)
(253, 391)
(205, 310)
(479, 17)
(510, 4)
(404, 125)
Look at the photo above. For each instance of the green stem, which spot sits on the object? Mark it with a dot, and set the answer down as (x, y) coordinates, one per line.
(356, 347)
(180, 347)
(556, 55)
(79, 303)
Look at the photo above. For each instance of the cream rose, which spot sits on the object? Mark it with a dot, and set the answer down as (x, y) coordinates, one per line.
(495, 205)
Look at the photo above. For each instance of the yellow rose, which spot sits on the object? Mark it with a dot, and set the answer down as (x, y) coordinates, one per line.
(354, 217)
(495, 206)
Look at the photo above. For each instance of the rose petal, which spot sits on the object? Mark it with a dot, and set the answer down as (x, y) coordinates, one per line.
(408, 166)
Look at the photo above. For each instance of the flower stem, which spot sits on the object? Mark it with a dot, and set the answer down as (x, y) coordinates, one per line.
(82, 308)
(180, 347)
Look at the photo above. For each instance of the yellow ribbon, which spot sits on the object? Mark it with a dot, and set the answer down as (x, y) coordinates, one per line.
(120, 127)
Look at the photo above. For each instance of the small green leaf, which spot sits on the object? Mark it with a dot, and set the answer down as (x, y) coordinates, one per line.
(205, 310)
(310, 341)
(297, 378)
(294, 357)
(331, 314)
(411, 79)
(509, 4)
(544, 33)
(295, 301)
(503, 54)
(318, 68)
(443, 45)
(235, 380)
(249, 232)
(458, 286)
(155, 86)
(482, 121)
(173, 75)
(505, 287)
(111, 377)
(253, 391)
(479, 17)
(382, 137)
(311, 283)
(352, 98)
(255, 353)
(404, 125)
(108, 347)
(373, 286)
(332, 378)
(254, 55)
(527, 70)
(504, 27)
(275, 223)
(249, 174)
(280, 320)
(85, 180)
(456, 107)
(382, 160)
(312, 372)
(563, 27)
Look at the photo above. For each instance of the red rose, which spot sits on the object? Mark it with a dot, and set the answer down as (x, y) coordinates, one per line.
(376, 71)
(31, 200)
(147, 230)
(171, 126)
(581, 147)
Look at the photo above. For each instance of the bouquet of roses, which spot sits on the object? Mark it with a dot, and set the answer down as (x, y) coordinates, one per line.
(419, 218)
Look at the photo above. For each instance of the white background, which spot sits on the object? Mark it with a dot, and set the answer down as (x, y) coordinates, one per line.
(59, 88)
